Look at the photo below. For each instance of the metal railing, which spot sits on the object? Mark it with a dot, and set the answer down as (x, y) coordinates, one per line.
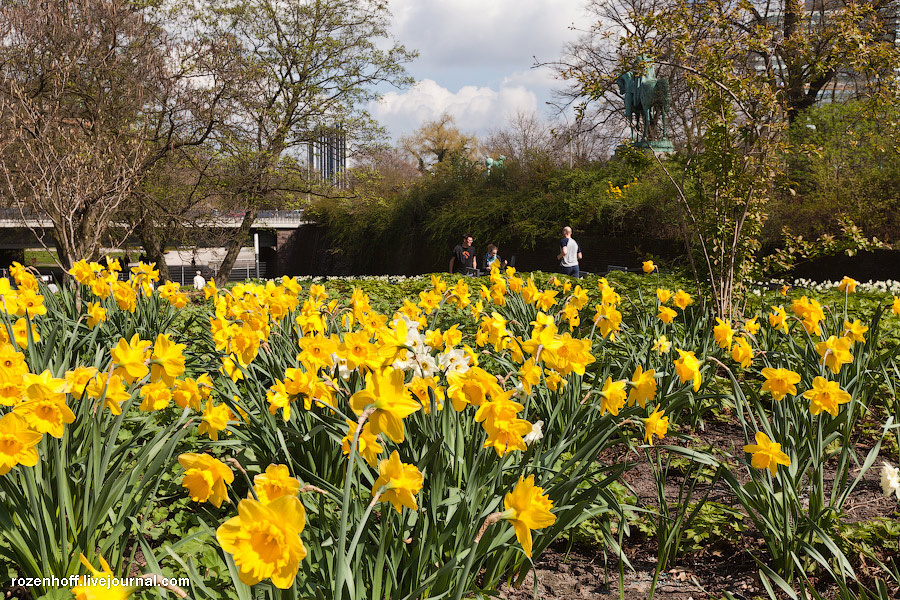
(289, 216)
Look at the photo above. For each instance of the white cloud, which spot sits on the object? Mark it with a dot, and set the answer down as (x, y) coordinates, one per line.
(511, 32)
(475, 109)
(476, 60)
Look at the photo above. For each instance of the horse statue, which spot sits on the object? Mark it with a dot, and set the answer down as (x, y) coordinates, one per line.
(494, 162)
(646, 100)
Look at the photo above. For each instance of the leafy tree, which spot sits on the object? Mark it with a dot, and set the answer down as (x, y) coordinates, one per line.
(805, 49)
(306, 68)
(740, 110)
(843, 164)
(436, 143)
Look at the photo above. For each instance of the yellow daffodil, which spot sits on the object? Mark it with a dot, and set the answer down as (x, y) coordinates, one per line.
(45, 409)
(186, 393)
(12, 362)
(826, 395)
(656, 424)
(643, 386)
(666, 314)
(500, 420)
(110, 387)
(766, 454)
(398, 483)
(214, 420)
(780, 382)
(835, 352)
(77, 379)
(608, 320)
(527, 508)
(473, 386)
(131, 358)
(613, 396)
(741, 352)
(210, 290)
(205, 478)
(662, 345)
(420, 387)
(155, 396)
(275, 483)
(125, 296)
(102, 584)
(21, 330)
(280, 399)
(810, 313)
(385, 391)
(751, 326)
(848, 285)
(316, 351)
(683, 299)
(723, 333)
(688, 368)
(554, 380)
(368, 446)
(17, 443)
(30, 303)
(264, 540)
(648, 266)
(529, 374)
(167, 360)
(855, 331)
(778, 318)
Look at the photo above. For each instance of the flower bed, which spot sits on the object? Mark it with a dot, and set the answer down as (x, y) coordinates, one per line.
(294, 439)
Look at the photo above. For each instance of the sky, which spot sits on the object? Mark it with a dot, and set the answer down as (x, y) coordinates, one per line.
(476, 60)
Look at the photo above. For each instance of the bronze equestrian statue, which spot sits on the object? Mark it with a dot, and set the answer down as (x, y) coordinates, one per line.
(646, 100)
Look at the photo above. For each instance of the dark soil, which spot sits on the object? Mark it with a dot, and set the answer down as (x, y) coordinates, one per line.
(581, 574)
(590, 572)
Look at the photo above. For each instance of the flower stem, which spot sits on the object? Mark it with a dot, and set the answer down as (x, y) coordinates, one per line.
(340, 574)
(470, 560)
(362, 522)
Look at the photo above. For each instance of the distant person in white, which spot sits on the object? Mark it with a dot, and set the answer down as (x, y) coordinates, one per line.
(199, 282)
(569, 253)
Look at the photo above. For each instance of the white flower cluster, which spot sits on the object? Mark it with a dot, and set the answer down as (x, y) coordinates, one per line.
(386, 278)
(890, 480)
(890, 286)
(420, 360)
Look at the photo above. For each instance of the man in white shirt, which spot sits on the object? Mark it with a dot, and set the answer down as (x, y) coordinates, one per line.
(199, 282)
(569, 253)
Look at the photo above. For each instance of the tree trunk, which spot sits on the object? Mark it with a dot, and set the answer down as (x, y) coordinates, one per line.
(154, 247)
(234, 247)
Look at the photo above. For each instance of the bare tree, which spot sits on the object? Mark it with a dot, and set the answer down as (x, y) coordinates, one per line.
(93, 96)
(382, 170)
(307, 67)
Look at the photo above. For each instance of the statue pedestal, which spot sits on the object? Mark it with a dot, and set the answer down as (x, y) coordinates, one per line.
(657, 146)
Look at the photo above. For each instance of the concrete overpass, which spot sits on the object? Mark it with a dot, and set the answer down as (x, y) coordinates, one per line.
(277, 231)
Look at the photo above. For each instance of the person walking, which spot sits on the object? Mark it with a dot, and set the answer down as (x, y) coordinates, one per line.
(569, 253)
(463, 256)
